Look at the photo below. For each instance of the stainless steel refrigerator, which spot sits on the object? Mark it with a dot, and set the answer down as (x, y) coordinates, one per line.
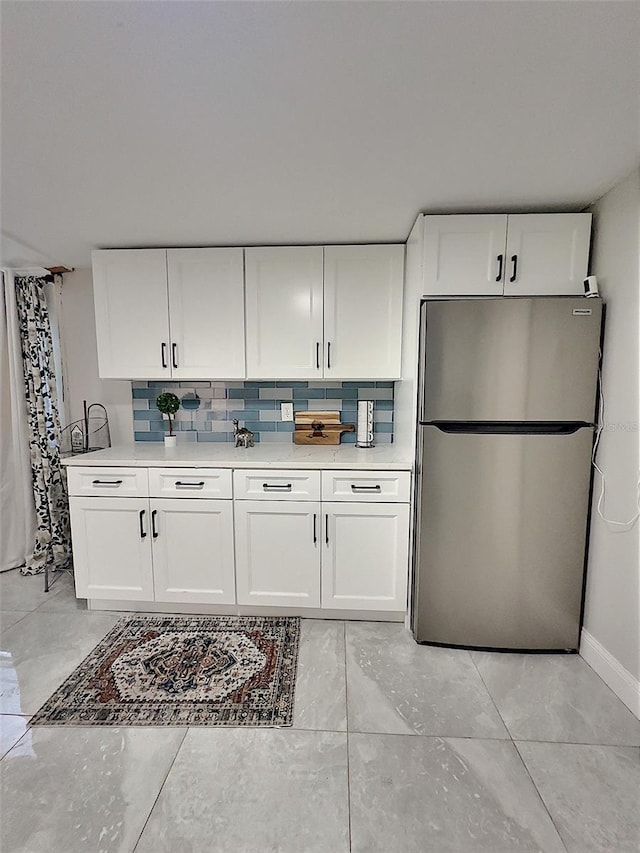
(506, 420)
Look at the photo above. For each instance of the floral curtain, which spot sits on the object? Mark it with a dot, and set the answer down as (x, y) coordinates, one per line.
(52, 540)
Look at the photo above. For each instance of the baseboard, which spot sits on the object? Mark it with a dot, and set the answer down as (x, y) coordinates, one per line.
(611, 671)
(244, 610)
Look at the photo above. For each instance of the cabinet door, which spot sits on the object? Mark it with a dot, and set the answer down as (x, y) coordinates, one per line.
(464, 255)
(284, 312)
(278, 553)
(112, 548)
(206, 309)
(547, 254)
(193, 550)
(363, 288)
(365, 556)
(132, 313)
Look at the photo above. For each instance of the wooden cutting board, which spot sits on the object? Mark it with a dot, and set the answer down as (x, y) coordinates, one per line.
(319, 428)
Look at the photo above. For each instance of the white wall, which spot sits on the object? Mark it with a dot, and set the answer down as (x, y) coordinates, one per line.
(611, 642)
(78, 336)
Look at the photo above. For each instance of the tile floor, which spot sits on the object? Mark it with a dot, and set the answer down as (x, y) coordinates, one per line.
(395, 748)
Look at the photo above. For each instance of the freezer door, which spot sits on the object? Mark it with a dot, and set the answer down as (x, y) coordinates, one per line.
(510, 359)
(501, 539)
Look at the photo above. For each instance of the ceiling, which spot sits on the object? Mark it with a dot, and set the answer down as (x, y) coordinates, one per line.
(239, 123)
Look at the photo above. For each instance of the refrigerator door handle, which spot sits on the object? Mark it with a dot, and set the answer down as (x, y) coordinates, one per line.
(507, 428)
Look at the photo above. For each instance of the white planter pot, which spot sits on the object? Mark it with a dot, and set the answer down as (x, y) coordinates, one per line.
(170, 440)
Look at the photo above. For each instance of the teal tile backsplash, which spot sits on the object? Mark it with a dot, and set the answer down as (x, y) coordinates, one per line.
(257, 406)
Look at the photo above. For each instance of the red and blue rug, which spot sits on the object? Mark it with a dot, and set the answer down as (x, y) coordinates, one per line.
(183, 671)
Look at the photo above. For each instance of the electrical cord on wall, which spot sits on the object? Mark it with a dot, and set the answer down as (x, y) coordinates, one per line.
(619, 526)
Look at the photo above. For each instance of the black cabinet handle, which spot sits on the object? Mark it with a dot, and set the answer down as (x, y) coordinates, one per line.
(315, 528)
(143, 532)
(514, 261)
(326, 529)
(180, 485)
(366, 488)
(154, 531)
(276, 487)
(328, 354)
(107, 482)
(318, 355)
(500, 264)
(163, 350)
(174, 354)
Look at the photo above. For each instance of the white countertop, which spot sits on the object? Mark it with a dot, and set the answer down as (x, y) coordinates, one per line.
(141, 454)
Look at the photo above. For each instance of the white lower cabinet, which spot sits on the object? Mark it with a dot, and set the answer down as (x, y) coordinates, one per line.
(136, 538)
(193, 550)
(336, 554)
(365, 556)
(112, 548)
(267, 546)
(278, 553)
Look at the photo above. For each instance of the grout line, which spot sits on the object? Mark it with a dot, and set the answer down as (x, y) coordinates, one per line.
(164, 781)
(515, 747)
(490, 695)
(419, 736)
(3, 755)
(17, 622)
(346, 711)
(540, 797)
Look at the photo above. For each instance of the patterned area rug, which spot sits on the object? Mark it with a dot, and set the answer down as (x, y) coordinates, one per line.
(183, 671)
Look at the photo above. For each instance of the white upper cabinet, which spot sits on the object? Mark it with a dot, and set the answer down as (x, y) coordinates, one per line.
(312, 312)
(547, 254)
(132, 315)
(511, 255)
(163, 314)
(363, 288)
(464, 255)
(284, 312)
(332, 313)
(206, 309)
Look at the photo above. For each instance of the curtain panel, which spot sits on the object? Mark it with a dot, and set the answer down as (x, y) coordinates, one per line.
(17, 511)
(52, 535)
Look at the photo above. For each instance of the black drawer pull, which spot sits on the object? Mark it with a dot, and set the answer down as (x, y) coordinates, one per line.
(276, 487)
(107, 482)
(143, 532)
(514, 261)
(154, 529)
(174, 354)
(315, 528)
(163, 352)
(326, 529)
(180, 485)
(500, 260)
(375, 488)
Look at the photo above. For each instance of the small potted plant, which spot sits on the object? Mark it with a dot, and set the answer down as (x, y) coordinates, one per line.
(168, 404)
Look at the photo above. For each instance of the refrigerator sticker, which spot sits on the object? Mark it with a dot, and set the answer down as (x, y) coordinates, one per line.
(582, 312)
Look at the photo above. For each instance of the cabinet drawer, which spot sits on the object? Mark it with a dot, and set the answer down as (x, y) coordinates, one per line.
(277, 485)
(108, 482)
(381, 486)
(190, 482)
